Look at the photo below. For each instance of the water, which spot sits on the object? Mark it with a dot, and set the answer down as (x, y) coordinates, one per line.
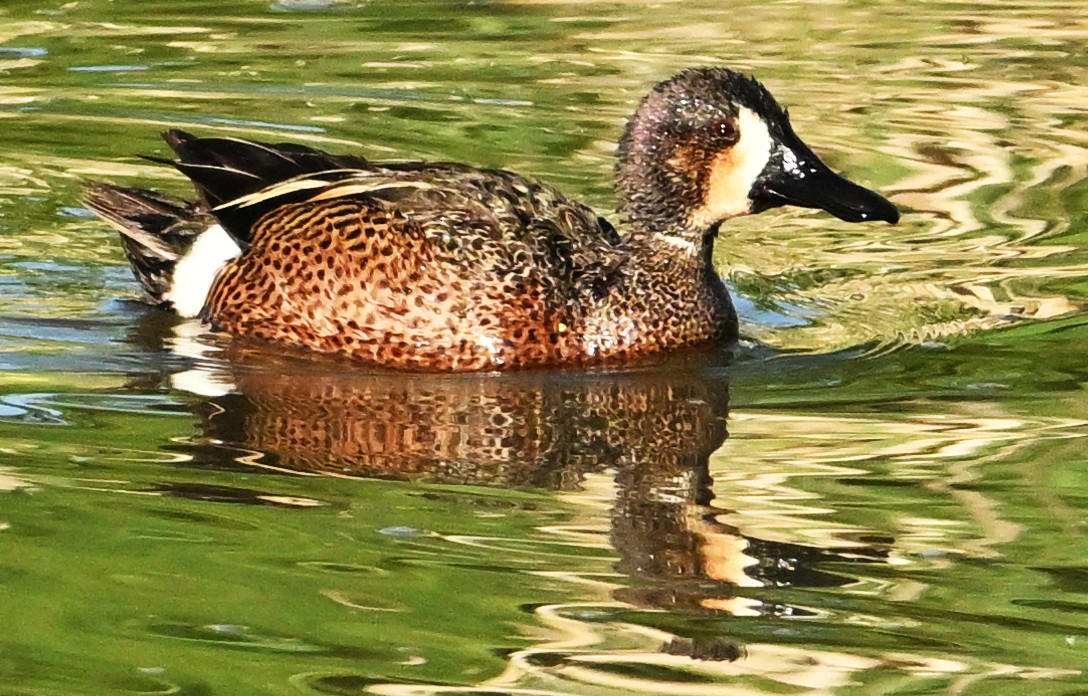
(887, 498)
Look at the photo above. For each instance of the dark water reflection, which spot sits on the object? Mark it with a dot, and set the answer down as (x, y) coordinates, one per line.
(540, 430)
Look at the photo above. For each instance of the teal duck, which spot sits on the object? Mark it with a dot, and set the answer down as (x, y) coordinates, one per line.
(441, 266)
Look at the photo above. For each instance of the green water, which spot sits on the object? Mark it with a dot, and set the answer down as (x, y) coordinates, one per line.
(888, 497)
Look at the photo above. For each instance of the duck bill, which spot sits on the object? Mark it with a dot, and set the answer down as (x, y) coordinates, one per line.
(798, 177)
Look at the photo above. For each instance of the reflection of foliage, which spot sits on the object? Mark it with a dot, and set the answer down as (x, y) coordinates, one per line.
(766, 291)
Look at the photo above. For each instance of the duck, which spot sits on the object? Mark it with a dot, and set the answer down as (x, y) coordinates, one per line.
(442, 266)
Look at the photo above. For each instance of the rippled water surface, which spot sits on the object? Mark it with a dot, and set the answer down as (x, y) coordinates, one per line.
(888, 495)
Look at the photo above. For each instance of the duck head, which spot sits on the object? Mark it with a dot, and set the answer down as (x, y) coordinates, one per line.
(710, 144)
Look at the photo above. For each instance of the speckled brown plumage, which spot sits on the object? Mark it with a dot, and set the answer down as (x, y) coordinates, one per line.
(448, 267)
(426, 269)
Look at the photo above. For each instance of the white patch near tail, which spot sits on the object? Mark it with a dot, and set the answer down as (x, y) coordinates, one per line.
(195, 272)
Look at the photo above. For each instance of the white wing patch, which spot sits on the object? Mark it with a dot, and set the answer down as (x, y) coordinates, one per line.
(196, 271)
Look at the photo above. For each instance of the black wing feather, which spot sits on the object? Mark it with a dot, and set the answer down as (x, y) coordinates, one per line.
(223, 169)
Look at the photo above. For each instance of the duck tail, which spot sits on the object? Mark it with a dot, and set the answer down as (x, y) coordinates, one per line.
(150, 232)
(160, 235)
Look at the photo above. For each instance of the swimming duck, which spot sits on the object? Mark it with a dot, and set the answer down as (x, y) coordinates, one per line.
(441, 266)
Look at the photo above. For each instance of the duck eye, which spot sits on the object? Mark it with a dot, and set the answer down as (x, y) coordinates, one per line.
(725, 129)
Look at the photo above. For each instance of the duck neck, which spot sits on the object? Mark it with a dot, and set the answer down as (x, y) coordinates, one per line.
(679, 257)
(663, 198)
(672, 258)
(657, 201)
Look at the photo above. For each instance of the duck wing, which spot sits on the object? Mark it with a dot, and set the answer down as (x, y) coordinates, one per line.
(223, 169)
(478, 221)
(242, 180)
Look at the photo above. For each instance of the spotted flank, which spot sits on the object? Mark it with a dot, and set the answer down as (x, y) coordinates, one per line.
(439, 266)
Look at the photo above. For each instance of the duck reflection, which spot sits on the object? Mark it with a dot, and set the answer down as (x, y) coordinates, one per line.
(539, 430)
(653, 429)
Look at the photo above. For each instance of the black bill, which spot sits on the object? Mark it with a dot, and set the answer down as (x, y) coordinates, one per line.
(796, 176)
